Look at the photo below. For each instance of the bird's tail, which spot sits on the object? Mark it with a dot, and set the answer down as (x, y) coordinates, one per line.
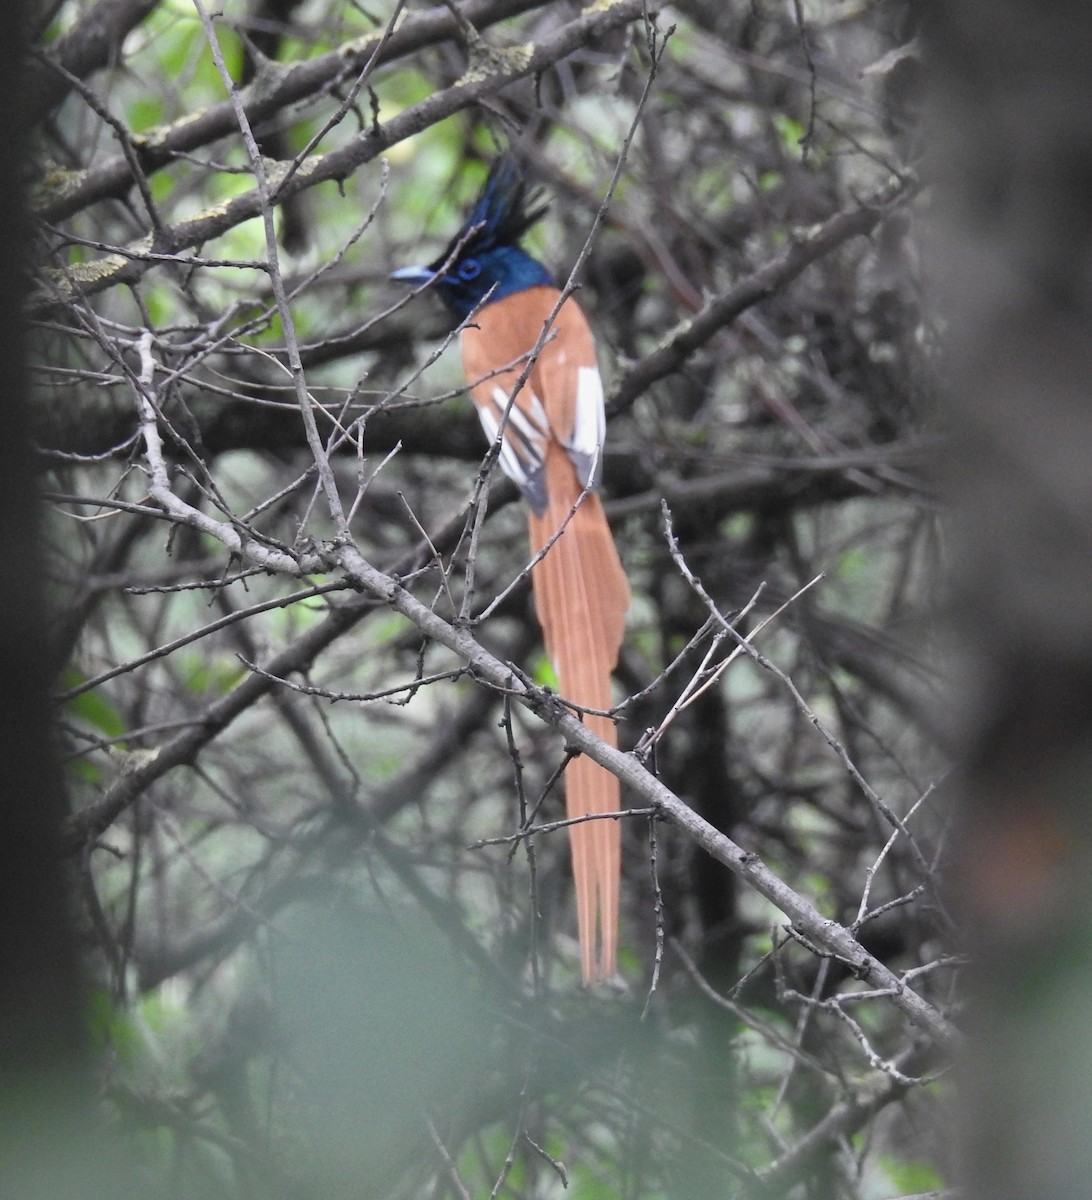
(581, 596)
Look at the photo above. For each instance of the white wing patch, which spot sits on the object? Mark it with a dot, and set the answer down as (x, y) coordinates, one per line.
(526, 416)
(523, 444)
(589, 426)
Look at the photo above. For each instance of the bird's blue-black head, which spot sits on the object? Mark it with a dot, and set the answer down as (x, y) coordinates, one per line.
(484, 258)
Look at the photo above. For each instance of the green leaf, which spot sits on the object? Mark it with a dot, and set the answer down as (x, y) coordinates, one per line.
(791, 131)
(111, 1027)
(911, 1177)
(92, 708)
(84, 770)
(543, 673)
(213, 674)
(144, 112)
(176, 42)
(588, 1186)
(159, 305)
(852, 564)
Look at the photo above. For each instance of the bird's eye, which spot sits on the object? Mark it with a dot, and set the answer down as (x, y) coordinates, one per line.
(469, 268)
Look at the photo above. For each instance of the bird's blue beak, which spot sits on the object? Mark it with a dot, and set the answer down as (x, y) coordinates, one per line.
(414, 275)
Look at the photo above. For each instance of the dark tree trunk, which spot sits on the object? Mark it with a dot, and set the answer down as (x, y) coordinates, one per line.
(1012, 128)
(40, 1018)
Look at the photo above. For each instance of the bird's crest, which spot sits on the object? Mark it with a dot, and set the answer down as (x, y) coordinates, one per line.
(505, 209)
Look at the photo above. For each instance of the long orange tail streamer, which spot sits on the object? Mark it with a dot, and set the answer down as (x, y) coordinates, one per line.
(581, 596)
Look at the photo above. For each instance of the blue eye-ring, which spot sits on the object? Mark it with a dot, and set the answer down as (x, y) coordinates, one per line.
(469, 268)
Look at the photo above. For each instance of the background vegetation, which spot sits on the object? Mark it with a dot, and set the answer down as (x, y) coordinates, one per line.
(299, 684)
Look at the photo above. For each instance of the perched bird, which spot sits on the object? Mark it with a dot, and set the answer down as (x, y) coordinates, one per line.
(551, 442)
